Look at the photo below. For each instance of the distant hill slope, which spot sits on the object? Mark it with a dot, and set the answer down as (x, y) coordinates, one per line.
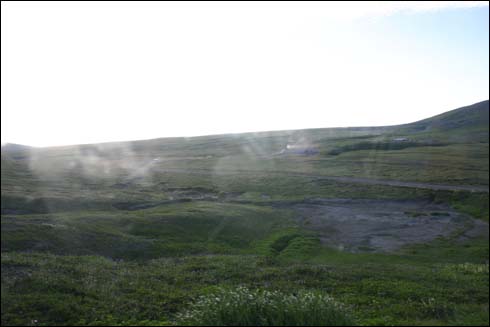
(463, 125)
(13, 147)
(472, 119)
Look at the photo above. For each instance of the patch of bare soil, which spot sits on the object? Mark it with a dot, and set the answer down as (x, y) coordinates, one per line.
(381, 225)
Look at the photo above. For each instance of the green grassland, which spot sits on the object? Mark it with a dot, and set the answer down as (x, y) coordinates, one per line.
(134, 233)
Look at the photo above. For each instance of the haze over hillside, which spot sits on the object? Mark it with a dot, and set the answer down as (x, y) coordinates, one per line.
(373, 153)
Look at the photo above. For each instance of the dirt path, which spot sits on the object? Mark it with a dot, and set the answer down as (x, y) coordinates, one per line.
(471, 188)
(349, 180)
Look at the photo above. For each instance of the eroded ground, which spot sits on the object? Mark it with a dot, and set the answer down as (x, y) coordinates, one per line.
(382, 225)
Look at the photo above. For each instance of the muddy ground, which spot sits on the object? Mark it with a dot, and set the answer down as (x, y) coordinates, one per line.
(383, 225)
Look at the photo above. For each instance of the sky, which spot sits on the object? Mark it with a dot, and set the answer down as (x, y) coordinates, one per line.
(89, 72)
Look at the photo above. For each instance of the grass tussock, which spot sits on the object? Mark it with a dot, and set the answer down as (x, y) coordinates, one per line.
(245, 307)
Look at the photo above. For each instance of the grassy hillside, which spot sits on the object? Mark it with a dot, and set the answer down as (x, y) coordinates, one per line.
(132, 233)
(473, 119)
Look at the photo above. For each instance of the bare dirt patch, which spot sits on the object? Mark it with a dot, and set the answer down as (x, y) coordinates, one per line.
(380, 225)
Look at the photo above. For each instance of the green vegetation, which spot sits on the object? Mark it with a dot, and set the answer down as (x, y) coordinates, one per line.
(476, 205)
(164, 231)
(380, 146)
(210, 230)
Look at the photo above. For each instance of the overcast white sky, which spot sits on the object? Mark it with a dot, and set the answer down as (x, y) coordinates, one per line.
(97, 72)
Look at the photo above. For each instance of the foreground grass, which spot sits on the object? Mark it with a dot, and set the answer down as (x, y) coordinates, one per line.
(379, 289)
